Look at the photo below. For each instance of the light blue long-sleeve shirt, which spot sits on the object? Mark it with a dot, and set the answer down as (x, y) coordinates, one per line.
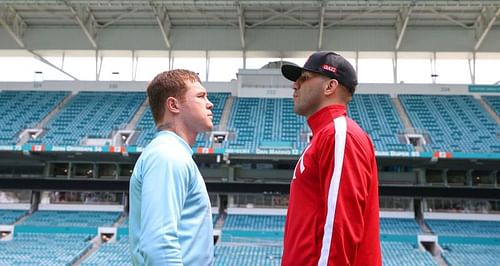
(170, 220)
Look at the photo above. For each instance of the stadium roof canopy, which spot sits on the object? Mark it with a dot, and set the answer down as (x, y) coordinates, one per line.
(251, 25)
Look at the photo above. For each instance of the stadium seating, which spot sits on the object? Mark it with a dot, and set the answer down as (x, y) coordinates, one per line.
(376, 114)
(404, 253)
(399, 226)
(253, 229)
(266, 123)
(455, 123)
(21, 110)
(125, 223)
(43, 249)
(464, 228)
(71, 218)
(148, 129)
(254, 222)
(272, 123)
(229, 255)
(11, 216)
(91, 114)
(471, 254)
(111, 254)
(494, 102)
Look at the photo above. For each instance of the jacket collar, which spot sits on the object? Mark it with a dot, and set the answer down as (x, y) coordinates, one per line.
(325, 116)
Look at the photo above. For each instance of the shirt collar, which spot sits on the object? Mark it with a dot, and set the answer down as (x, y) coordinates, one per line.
(174, 135)
(325, 116)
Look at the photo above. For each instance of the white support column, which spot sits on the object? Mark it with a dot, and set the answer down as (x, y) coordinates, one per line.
(170, 60)
(357, 63)
(97, 65)
(321, 25)
(433, 68)
(244, 54)
(134, 65)
(241, 24)
(207, 65)
(472, 68)
(395, 67)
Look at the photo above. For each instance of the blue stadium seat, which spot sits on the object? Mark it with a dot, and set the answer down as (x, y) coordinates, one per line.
(464, 228)
(376, 114)
(148, 129)
(455, 123)
(399, 226)
(405, 253)
(71, 218)
(266, 123)
(494, 103)
(111, 254)
(229, 255)
(91, 114)
(253, 228)
(471, 254)
(8, 217)
(272, 123)
(44, 249)
(21, 110)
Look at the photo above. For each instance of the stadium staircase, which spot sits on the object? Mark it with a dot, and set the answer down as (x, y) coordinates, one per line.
(225, 113)
(489, 109)
(25, 138)
(101, 251)
(402, 113)
(405, 120)
(138, 115)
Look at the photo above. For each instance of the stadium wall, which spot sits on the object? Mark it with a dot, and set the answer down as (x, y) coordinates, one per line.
(236, 88)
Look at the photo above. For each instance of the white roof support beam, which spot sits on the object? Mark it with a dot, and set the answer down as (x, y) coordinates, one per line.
(43, 60)
(486, 20)
(287, 15)
(13, 24)
(321, 25)
(350, 17)
(241, 24)
(214, 17)
(271, 18)
(402, 24)
(164, 23)
(450, 19)
(118, 18)
(86, 21)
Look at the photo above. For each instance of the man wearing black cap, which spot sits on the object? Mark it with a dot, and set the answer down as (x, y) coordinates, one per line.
(333, 212)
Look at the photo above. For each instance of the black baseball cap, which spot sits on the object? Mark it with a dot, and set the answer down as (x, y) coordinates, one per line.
(328, 64)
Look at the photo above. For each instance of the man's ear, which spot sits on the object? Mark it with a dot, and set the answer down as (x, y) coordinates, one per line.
(172, 105)
(332, 85)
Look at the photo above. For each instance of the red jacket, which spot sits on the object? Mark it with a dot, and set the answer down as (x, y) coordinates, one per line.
(333, 211)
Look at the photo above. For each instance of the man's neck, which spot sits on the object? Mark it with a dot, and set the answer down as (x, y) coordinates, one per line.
(180, 131)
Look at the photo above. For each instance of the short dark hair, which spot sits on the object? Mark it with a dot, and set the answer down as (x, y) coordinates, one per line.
(168, 84)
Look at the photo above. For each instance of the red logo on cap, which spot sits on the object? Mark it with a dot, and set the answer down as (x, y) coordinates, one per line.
(329, 68)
